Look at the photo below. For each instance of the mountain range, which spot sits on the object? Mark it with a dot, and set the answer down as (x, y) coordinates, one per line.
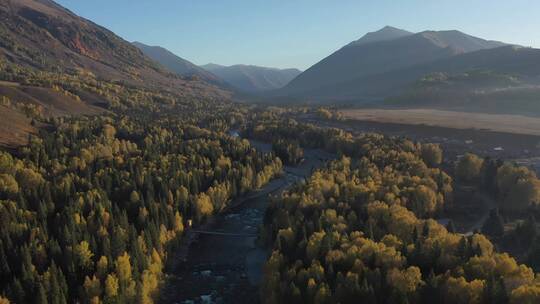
(176, 64)
(244, 78)
(389, 66)
(347, 74)
(252, 79)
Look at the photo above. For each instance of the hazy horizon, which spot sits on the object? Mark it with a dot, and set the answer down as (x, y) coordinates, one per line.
(283, 34)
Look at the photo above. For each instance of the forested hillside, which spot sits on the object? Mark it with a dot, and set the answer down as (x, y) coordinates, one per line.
(93, 204)
(58, 63)
(44, 35)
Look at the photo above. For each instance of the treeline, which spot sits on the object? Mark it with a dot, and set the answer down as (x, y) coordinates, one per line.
(354, 231)
(270, 127)
(329, 114)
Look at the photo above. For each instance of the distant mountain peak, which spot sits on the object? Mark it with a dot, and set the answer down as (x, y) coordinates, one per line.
(175, 63)
(140, 44)
(347, 72)
(212, 66)
(384, 34)
(252, 78)
(389, 28)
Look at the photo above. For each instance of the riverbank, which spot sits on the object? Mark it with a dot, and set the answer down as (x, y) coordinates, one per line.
(213, 268)
(192, 234)
(226, 265)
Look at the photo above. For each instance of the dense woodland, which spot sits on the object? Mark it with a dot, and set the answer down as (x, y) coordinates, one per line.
(93, 206)
(361, 228)
(516, 188)
(516, 191)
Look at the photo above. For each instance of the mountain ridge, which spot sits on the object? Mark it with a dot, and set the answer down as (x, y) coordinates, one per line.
(384, 34)
(57, 63)
(252, 78)
(42, 35)
(175, 63)
(358, 60)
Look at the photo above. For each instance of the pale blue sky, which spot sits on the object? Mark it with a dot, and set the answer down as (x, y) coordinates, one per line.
(298, 33)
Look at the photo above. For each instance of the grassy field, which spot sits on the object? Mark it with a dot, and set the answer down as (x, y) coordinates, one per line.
(462, 120)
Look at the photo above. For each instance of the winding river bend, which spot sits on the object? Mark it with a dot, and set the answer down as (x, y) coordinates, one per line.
(224, 262)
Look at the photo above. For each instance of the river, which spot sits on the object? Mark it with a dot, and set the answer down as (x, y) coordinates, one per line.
(225, 264)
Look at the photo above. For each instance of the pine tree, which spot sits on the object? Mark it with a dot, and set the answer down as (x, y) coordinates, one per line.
(41, 296)
(494, 225)
(450, 227)
(430, 291)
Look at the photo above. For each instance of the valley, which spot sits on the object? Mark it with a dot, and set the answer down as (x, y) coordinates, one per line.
(225, 262)
(311, 165)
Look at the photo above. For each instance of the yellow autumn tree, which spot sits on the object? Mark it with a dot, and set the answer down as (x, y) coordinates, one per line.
(459, 291)
(111, 285)
(109, 131)
(102, 267)
(92, 288)
(8, 185)
(469, 167)
(83, 254)
(424, 201)
(178, 224)
(526, 294)
(123, 272)
(203, 206)
(432, 154)
(148, 286)
(406, 281)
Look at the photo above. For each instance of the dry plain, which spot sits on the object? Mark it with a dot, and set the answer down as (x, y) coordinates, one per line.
(517, 124)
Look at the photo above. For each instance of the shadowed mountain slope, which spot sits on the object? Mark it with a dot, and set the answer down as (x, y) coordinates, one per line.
(380, 52)
(42, 35)
(175, 63)
(252, 79)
